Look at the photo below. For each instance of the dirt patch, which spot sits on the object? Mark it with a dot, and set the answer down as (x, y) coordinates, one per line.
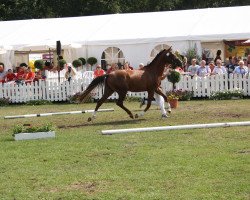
(89, 187)
(246, 151)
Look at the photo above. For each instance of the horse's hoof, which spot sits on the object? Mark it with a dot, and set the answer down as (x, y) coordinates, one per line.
(89, 119)
(131, 116)
(136, 116)
(164, 116)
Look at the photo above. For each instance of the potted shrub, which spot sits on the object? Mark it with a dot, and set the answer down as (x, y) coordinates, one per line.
(77, 63)
(92, 61)
(39, 64)
(24, 132)
(173, 98)
(83, 60)
(61, 64)
(174, 77)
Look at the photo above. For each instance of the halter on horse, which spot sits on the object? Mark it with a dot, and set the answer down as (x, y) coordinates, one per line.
(122, 81)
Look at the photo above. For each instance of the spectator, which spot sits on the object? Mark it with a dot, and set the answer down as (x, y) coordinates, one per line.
(218, 56)
(29, 75)
(241, 69)
(130, 67)
(185, 64)
(126, 66)
(98, 71)
(10, 76)
(21, 74)
(113, 67)
(211, 65)
(70, 73)
(141, 65)
(219, 69)
(38, 76)
(2, 73)
(192, 69)
(203, 69)
(230, 66)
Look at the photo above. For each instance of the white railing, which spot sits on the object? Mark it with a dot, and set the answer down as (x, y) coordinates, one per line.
(51, 90)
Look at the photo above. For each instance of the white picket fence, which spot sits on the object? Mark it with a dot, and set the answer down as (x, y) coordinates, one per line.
(54, 91)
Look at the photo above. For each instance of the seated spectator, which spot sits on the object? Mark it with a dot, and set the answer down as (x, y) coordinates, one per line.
(29, 75)
(70, 73)
(203, 69)
(98, 71)
(219, 69)
(192, 69)
(10, 76)
(112, 68)
(21, 74)
(2, 73)
(230, 66)
(241, 69)
(211, 65)
(38, 76)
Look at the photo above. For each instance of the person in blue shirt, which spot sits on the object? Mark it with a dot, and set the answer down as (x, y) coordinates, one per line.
(203, 69)
(241, 69)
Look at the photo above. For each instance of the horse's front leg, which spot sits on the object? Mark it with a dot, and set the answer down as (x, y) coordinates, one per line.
(160, 92)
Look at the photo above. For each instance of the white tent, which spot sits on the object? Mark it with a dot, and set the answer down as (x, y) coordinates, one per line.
(135, 33)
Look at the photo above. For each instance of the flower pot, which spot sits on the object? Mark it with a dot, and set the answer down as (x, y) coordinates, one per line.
(173, 103)
(36, 135)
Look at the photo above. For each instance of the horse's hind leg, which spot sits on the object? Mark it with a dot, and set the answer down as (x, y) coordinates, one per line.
(107, 93)
(150, 98)
(119, 102)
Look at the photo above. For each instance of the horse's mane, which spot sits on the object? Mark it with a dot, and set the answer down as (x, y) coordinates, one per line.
(156, 58)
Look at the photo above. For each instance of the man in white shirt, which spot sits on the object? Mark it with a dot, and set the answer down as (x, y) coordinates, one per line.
(219, 69)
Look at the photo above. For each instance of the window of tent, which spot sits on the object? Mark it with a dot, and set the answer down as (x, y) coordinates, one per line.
(157, 49)
(112, 55)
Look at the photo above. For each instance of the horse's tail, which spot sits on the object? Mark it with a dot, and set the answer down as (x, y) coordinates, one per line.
(97, 81)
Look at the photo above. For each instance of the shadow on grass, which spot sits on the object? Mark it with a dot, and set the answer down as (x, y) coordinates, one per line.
(120, 122)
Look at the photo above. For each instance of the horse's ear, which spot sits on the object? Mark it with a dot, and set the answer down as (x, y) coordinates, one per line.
(170, 49)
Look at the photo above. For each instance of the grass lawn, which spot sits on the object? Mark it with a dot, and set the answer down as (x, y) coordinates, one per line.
(80, 163)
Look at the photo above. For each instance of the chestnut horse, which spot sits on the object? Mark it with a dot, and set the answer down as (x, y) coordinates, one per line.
(122, 81)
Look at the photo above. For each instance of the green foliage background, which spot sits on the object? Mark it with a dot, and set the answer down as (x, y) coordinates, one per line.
(26, 9)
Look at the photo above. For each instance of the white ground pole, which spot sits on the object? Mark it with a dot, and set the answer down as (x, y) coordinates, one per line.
(164, 128)
(57, 113)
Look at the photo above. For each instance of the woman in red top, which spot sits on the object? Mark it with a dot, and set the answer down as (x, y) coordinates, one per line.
(21, 75)
(99, 71)
(29, 75)
(10, 76)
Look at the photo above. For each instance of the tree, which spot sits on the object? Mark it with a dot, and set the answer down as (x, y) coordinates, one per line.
(26, 9)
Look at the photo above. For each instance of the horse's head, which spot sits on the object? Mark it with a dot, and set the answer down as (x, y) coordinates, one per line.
(172, 58)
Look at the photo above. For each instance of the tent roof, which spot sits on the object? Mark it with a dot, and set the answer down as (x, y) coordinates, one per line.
(211, 24)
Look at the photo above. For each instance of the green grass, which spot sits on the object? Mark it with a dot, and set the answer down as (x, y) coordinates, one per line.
(80, 163)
